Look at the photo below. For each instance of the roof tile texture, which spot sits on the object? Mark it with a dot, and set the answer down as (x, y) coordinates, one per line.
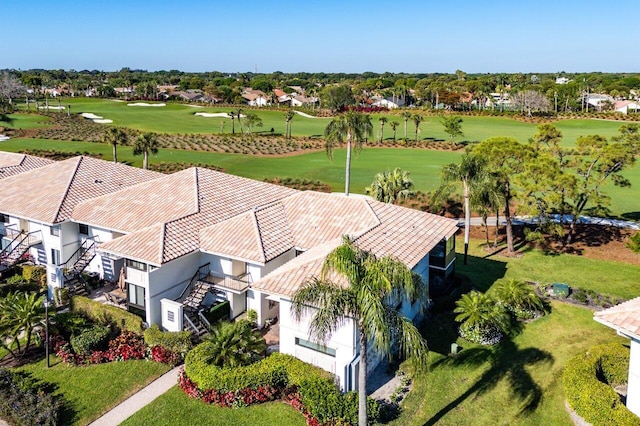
(625, 316)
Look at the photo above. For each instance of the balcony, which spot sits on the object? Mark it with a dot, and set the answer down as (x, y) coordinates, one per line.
(236, 284)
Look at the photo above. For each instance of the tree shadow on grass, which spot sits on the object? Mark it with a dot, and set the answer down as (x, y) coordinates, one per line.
(631, 216)
(506, 361)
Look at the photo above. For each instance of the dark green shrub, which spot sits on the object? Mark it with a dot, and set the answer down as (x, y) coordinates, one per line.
(26, 402)
(107, 315)
(177, 342)
(68, 324)
(20, 286)
(218, 312)
(588, 381)
(94, 338)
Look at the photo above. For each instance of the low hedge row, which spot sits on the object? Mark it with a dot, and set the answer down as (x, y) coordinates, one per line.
(218, 312)
(91, 339)
(25, 402)
(178, 342)
(588, 381)
(107, 315)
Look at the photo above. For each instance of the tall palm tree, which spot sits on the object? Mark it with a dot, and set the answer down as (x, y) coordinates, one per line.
(288, 116)
(417, 119)
(234, 344)
(486, 199)
(373, 288)
(115, 136)
(20, 313)
(406, 115)
(469, 171)
(394, 125)
(238, 116)
(145, 143)
(353, 127)
(391, 186)
(383, 120)
(233, 122)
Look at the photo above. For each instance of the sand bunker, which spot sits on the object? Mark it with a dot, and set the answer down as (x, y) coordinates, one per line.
(305, 115)
(4, 138)
(51, 107)
(96, 118)
(144, 104)
(216, 114)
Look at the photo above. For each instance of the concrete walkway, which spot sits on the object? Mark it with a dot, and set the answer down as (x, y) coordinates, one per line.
(138, 400)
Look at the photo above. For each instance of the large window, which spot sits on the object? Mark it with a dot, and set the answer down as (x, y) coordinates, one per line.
(136, 296)
(4, 218)
(136, 265)
(315, 347)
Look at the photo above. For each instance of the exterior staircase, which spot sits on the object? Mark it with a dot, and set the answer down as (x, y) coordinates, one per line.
(191, 298)
(18, 247)
(81, 258)
(76, 284)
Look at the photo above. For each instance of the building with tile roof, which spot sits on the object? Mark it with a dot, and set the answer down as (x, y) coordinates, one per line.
(13, 163)
(625, 319)
(199, 238)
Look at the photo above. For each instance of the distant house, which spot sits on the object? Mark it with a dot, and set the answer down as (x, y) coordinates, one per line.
(563, 80)
(598, 100)
(625, 319)
(190, 95)
(256, 97)
(390, 102)
(626, 107)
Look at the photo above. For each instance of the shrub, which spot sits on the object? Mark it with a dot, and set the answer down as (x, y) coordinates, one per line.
(218, 312)
(178, 342)
(107, 315)
(25, 402)
(587, 382)
(126, 346)
(634, 242)
(18, 286)
(68, 324)
(35, 274)
(94, 338)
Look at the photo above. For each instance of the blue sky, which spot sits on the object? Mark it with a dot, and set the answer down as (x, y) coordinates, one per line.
(330, 36)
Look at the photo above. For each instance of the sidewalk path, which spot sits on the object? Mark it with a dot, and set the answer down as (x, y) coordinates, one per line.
(138, 400)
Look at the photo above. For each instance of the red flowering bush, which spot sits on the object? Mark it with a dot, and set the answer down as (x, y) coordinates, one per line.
(126, 346)
(161, 354)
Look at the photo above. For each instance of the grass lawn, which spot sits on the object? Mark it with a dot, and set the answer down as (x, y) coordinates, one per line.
(613, 278)
(93, 390)
(518, 381)
(182, 410)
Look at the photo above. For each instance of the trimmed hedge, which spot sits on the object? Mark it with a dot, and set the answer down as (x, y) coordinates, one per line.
(23, 401)
(91, 339)
(107, 315)
(588, 381)
(218, 312)
(178, 342)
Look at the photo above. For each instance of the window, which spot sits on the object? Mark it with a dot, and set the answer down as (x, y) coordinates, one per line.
(315, 347)
(4, 218)
(83, 229)
(55, 256)
(136, 265)
(55, 230)
(136, 296)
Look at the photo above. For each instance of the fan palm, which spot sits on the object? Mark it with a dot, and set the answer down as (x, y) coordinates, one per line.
(115, 136)
(234, 344)
(478, 311)
(145, 143)
(417, 119)
(20, 313)
(373, 288)
(353, 127)
(389, 187)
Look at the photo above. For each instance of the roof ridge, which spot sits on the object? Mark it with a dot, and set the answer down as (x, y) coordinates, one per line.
(256, 227)
(197, 187)
(163, 245)
(66, 192)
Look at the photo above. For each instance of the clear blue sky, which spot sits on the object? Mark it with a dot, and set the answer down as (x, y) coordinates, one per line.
(331, 36)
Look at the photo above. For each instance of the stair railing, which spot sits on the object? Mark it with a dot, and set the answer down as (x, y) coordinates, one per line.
(88, 245)
(201, 273)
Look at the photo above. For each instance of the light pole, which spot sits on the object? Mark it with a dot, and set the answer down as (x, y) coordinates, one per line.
(46, 329)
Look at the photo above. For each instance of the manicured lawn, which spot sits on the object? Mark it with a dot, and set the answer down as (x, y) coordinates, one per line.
(93, 390)
(613, 278)
(518, 381)
(176, 408)
(26, 121)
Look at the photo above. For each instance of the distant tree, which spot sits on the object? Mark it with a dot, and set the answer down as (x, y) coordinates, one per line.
(394, 125)
(382, 120)
(452, 126)
(10, 88)
(232, 115)
(288, 117)
(252, 120)
(146, 143)
(417, 119)
(390, 186)
(353, 127)
(406, 115)
(530, 101)
(239, 116)
(337, 98)
(115, 136)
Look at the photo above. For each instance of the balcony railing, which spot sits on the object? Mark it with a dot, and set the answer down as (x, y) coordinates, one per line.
(230, 282)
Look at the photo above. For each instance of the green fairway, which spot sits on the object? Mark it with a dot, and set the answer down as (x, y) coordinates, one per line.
(181, 118)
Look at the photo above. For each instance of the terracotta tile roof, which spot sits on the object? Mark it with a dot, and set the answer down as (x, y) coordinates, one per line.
(142, 245)
(624, 317)
(50, 193)
(219, 196)
(12, 163)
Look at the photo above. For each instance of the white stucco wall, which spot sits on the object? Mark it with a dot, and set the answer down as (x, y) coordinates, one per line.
(633, 386)
(343, 341)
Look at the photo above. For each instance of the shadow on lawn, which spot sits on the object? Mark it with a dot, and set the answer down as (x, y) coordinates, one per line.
(506, 361)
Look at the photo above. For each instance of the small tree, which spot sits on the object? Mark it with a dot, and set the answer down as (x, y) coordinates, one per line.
(394, 125)
(20, 314)
(288, 117)
(145, 143)
(382, 120)
(452, 126)
(252, 120)
(517, 297)
(389, 187)
(482, 320)
(234, 344)
(406, 115)
(417, 119)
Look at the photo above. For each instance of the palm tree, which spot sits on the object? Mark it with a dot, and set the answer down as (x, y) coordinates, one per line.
(355, 128)
(367, 294)
(239, 115)
(391, 186)
(234, 344)
(406, 115)
(467, 172)
(288, 116)
(486, 199)
(417, 119)
(394, 125)
(518, 297)
(20, 314)
(482, 319)
(233, 122)
(115, 136)
(383, 120)
(145, 143)
(452, 126)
